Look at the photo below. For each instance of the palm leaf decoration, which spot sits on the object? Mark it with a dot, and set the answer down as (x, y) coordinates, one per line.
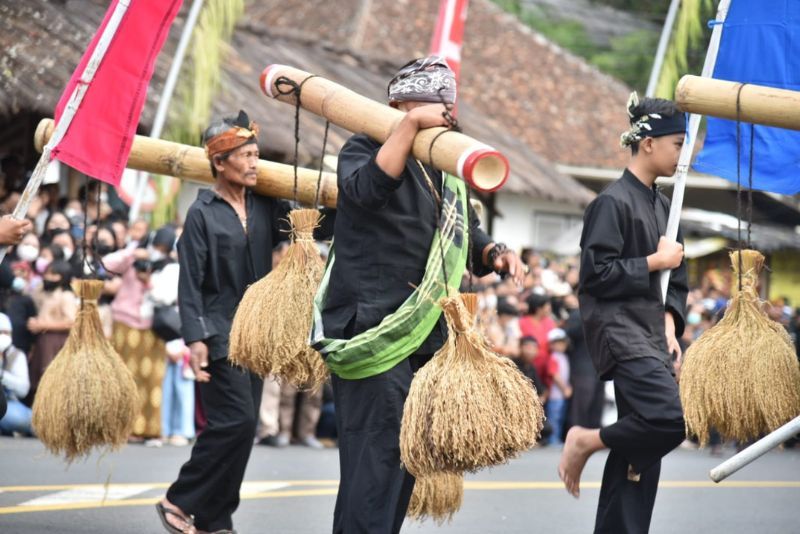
(199, 83)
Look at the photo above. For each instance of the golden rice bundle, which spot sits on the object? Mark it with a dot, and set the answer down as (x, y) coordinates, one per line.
(467, 408)
(437, 496)
(272, 323)
(87, 397)
(741, 377)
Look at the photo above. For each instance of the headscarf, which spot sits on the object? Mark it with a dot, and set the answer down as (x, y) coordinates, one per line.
(650, 124)
(423, 80)
(224, 135)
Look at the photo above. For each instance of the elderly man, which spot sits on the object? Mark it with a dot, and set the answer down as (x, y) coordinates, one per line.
(388, 209)
(224, 248)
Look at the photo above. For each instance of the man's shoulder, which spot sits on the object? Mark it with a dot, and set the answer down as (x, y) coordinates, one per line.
(360, 140)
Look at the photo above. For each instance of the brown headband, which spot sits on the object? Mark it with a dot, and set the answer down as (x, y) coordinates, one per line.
(231, 139)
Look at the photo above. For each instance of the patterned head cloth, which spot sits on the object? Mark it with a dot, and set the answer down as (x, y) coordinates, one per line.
(650, 124)
(421, 81)
(230, 133)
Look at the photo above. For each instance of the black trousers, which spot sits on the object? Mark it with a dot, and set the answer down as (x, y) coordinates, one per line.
(586, 404)
(374, 491)
(208, 484)
(650, 425)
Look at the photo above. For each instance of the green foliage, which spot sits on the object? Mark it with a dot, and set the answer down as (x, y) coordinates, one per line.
(630, 57)
(198, 84)
(686, 52)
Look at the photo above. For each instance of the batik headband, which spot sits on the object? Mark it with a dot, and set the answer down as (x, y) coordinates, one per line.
(650, 124)
(424, 80)
(241, 132)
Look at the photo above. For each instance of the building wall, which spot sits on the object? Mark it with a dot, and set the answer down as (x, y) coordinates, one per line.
(524, 221)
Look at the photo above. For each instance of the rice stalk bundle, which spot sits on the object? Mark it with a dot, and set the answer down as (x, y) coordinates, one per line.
(741, 377)
(270, 330)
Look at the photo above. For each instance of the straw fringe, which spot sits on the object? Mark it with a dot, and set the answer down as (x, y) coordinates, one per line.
(436, 497)
(467, 408)
(87, 397)
(272, 323)
(742, 376)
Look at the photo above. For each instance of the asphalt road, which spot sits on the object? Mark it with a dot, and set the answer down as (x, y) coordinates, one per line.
(293, 491)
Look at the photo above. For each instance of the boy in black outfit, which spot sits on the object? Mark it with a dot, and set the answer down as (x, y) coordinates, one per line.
(631, 333)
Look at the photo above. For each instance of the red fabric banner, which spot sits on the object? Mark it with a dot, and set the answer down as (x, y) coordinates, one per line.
(100, 136)
(449, 33)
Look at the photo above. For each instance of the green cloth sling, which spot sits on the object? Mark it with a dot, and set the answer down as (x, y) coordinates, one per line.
(401, 333)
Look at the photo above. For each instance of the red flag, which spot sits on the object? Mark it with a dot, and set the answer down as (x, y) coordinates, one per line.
(100, 135)
(449, 33)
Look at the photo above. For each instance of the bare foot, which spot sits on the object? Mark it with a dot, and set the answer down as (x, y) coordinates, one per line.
(178, 519)
(580, 444)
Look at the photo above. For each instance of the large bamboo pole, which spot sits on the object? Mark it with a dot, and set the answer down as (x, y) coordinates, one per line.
(186, 162)
(480, 165)
(758, 104)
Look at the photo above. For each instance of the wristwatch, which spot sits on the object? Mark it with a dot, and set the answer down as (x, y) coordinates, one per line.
(495, 252)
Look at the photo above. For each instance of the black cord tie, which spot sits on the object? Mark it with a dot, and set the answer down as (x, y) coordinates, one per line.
(287, 86)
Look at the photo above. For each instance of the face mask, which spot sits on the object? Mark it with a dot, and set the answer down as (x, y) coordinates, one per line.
(5, 342)
(67, 253)
(41, 265)
(103, 249)
(155, 255)
(103, 198)
(49, 285)
(70, 213)
(27, 252)
(693, 318)
(18, 285)
(491, 302)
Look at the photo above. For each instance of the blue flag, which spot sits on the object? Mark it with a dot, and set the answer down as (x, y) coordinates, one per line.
(760, 45)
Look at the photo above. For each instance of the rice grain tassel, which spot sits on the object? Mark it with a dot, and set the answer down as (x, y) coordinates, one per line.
(437, 496)
(269, 335)
(741, 377)
(87, 397)
(467, 408)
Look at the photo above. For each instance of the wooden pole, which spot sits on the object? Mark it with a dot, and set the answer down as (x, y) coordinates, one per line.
(483, 167)
(158, 156)
(758, 104)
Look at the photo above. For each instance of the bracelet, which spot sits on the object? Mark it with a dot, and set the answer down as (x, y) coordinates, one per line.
(495, 252)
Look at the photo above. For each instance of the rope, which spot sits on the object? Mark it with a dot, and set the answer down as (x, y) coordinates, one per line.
(452, 125)
(321, 162)
(293, 89)
(739, 181)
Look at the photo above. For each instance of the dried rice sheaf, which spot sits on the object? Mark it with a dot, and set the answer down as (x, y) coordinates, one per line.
(87, 397)
(467, 408)
(741, 377)
(437, 496)
(270, 330)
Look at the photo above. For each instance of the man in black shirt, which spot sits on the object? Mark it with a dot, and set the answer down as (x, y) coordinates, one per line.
(630, 332)
(387, 213)
(226, 245)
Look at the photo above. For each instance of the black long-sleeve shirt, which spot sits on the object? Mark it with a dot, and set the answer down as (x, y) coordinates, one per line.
(620, 300)
(218, 261)
(383, 233)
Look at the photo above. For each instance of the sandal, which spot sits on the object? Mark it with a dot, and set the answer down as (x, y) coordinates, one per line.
(172, 529)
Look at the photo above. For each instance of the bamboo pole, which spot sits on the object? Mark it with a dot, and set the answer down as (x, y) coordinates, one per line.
(758, 104)
(755, 451)
(483, 167)
(186, 162)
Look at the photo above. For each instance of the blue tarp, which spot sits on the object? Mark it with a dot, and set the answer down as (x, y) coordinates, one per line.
(760, 45)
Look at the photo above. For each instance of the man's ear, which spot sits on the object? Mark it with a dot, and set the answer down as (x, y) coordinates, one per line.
(218, 164)
(646, 145)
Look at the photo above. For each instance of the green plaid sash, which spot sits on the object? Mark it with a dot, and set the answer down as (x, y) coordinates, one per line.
(401, 333)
